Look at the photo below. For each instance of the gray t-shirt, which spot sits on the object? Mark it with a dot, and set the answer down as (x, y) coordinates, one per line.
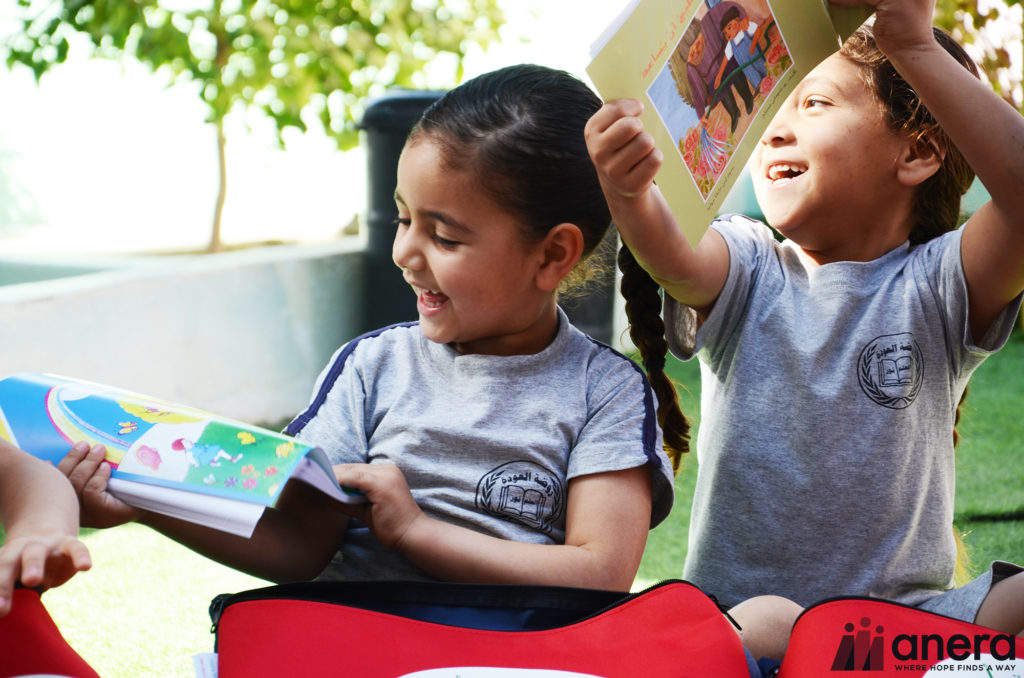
(825, 453)
(485, 442)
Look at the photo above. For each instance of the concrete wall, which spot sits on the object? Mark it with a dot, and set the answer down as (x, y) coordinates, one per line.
(243, 334)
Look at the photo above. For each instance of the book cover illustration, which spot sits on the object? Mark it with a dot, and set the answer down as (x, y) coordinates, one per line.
(711, 75)
(727, 61)
(147, 440)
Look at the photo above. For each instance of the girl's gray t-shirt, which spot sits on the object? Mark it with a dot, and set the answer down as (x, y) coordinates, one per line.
(485, 442)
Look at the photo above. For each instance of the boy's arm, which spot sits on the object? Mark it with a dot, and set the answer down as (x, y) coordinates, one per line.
(607, 520)
(721, 71)
(989, 133)
(292, 541)
(758, 34)
(627, 161)
(40, 515)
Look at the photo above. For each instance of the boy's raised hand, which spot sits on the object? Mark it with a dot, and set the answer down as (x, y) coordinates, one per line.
(899, 24)
(88, 472)
(623, 153)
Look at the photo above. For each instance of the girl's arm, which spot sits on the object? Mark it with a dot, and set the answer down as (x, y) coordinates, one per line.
(627, 161)
(989, 133)
(607, 520)
(40, 514)
(292, 541)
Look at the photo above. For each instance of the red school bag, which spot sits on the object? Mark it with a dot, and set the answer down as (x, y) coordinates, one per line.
(31, 643)
(871, 638)
(391, 629)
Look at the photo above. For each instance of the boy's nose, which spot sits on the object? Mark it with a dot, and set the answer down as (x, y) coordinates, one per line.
(778, 131)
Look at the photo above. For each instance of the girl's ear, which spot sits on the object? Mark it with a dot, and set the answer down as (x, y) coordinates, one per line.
(560, 250)
(921, 159)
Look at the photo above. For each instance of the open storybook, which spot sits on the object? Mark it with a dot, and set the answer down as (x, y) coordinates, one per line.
(711, 75)
(166, 458)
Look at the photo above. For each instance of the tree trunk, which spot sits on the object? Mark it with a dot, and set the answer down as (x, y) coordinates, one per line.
(222, 188)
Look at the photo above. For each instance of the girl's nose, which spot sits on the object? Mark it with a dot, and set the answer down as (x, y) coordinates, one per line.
(405, 250)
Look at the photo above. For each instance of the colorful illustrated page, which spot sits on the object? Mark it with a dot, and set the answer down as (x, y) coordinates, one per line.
(147, 439)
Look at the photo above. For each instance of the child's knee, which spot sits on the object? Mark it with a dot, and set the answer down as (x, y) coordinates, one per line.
(766, 622)
(1003, 607)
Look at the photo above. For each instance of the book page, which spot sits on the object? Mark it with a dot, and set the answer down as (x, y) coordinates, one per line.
(148, 440)
(227, 515)
(711, 74)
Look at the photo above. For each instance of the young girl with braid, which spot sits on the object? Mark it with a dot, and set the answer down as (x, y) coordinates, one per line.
(833, 362)
(493, 440)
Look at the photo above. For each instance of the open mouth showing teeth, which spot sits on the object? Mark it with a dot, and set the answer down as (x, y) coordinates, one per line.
(783, 171)
(433, 299)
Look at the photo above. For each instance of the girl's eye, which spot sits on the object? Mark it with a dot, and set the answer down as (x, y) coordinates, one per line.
(444, 242)
(402, 222)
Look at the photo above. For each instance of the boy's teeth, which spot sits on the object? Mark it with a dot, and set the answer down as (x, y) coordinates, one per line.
(783, 171)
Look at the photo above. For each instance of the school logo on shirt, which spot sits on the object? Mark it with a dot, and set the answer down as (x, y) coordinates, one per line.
(891, 370)
(522, 492)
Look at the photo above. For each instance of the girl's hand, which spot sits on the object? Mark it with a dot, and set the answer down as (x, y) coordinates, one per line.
(88, 472)
(623, 153)
(40, 559)
(390, 510)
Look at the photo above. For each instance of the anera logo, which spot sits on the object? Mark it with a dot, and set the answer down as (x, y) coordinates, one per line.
(861, 649)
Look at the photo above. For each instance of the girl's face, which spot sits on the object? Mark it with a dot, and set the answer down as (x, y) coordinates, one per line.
(825, 170)
(467, 262)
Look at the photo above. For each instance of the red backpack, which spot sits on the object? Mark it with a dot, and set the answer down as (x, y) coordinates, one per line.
(31, 643)
(390, 629)
(870, 638)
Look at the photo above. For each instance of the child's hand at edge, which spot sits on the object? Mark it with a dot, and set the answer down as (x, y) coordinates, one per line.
(390, 510)
(89, 473)
(624, 154)
(45, 557)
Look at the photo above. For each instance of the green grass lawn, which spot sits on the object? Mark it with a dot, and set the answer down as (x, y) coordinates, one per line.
(142, 610)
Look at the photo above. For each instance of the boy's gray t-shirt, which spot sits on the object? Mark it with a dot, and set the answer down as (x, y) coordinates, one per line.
(828, 395)
(486, 442)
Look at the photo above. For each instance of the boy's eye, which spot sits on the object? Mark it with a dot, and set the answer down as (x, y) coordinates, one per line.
(815, 102)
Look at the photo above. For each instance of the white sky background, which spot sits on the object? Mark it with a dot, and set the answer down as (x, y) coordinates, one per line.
(102, 157)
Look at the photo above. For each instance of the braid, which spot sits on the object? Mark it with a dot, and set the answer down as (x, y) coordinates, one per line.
(956, 417)
(647, 330)
(961, 572)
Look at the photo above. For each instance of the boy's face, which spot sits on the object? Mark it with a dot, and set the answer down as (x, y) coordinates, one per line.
(827, 162)
(464, 257)
(732, 29)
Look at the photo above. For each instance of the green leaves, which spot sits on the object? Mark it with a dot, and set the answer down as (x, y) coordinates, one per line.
(297, 61)
(984, 27)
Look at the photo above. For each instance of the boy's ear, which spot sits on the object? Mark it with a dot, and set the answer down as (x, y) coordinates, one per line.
(921, 159)
(560, 250)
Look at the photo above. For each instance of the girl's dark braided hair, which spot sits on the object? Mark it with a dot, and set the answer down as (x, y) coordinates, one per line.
(647, 330)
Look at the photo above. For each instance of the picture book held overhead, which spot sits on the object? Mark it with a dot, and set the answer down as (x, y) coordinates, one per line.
(711, 75)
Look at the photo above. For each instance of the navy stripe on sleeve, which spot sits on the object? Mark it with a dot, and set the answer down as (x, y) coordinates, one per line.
(299, 423)
(650, 423)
